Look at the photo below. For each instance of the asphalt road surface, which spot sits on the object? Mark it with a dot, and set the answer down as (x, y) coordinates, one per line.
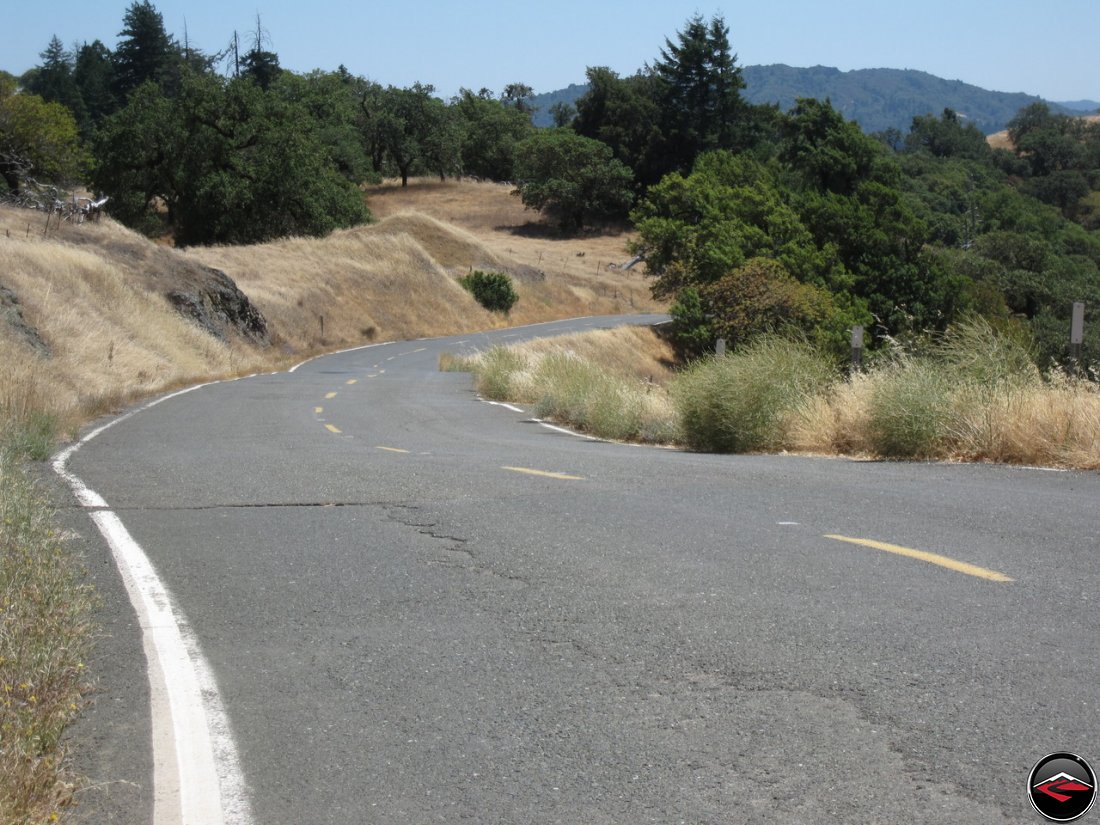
(418, 608)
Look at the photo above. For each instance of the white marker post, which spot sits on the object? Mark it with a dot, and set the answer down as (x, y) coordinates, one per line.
(857, 348)
(1077, 334)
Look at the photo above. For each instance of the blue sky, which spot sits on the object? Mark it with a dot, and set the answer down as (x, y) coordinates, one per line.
(1048, 48)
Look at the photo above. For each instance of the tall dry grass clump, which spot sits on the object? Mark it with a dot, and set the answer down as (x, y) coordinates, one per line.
(910, 409)
(976, 396)
(604, 383)
(745, 402)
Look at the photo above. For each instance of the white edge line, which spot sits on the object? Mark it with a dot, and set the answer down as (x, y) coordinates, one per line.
(539, 421)
(500, 404)
(338, 352)
(197, 775)
(564, 431)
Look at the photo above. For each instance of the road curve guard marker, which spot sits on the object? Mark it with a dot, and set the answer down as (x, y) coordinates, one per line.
(931, 558)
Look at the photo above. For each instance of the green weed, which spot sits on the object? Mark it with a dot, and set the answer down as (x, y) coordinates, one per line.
(45, 637)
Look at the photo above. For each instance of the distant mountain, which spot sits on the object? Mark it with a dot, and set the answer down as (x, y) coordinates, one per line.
(881, 99)
(877, 99)
(1087, 106)
(544, 102)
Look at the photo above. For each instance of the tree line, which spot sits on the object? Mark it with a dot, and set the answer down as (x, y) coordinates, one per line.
(242, 155)
(749, 217)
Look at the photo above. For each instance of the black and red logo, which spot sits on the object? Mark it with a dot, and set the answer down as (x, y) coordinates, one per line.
(1062, 787)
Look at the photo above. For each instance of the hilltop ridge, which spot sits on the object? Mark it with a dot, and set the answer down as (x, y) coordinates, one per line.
(877, 99)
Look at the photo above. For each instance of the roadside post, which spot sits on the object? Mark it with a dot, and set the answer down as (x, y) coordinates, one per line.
(720, 347)
(1077, 334)
(857, 348)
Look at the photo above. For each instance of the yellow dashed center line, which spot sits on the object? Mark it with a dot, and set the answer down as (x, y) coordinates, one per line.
(353, 381)
(333, 429)
(392, 449)
(931, 558)
(318, 410)
(543, 473)
(330, 395)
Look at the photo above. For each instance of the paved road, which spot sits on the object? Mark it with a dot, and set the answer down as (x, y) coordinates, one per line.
(421, 608)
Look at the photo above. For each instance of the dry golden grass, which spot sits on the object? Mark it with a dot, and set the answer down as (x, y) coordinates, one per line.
(397, 278)
(1055, 426)
(1000, 140)
(366, 283)
(112, 338)
(520, 238)
(45, 638)
(630, 352)
(1052, 423)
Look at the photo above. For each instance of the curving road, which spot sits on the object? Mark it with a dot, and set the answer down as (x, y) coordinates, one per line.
(421, 608)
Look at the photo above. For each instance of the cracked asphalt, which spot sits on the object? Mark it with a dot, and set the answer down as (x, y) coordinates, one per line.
(404, 631)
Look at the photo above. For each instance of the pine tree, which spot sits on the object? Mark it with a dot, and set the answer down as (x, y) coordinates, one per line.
(145, 51)
(53, 82)
(94, 77)
(701, 94)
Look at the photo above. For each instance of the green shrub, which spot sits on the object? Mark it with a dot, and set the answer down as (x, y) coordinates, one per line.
(742, 402)
(493, 290)
(910, 409)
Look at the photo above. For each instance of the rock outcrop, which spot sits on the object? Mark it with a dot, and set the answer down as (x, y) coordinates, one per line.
(216, 304)
(11, 316)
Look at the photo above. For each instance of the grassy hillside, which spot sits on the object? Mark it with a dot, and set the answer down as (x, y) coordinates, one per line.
(95, 329)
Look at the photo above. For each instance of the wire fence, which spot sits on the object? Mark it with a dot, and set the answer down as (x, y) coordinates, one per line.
(55, 203)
